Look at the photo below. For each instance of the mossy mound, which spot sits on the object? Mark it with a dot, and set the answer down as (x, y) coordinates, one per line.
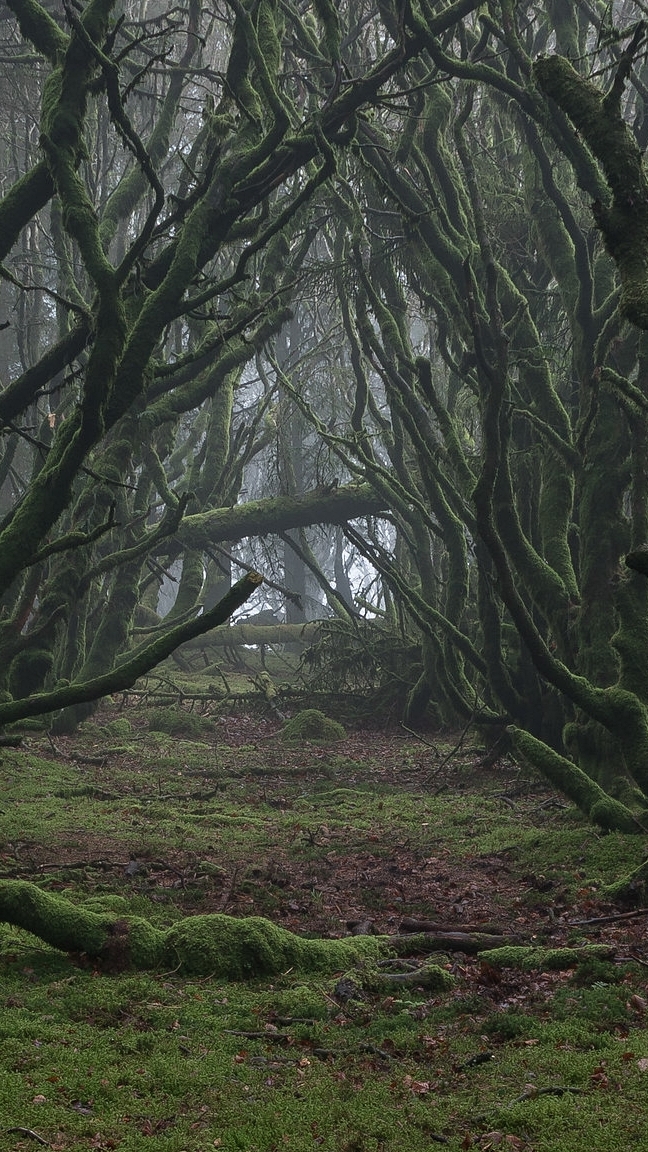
(32, 724)
(630, 891)
(215, 945)
(175, 722)
(300, 1001)
(120, 726)
(312, 725)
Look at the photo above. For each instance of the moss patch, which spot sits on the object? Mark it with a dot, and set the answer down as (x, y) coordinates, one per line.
(314, 726)
(550, 959)
(175, 722)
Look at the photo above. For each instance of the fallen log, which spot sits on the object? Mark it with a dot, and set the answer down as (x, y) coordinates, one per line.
(254, 634)
(533, 959)
(420, 943)
(217, 945)
(411, 924)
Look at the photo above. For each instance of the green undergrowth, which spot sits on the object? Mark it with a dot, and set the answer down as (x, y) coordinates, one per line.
(157, 1061)
(169, 827)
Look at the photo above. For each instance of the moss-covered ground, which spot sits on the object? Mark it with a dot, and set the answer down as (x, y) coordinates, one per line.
(222, 815)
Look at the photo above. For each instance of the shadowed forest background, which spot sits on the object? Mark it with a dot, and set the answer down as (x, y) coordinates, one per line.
(354, 296)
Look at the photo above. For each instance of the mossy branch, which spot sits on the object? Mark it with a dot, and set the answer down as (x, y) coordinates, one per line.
(624, 223)
(75, 539)
(279, 513)
(213, 945)
(23, 200)
(131, 139)
(600, 808)
(125, 676)
(638, 560)
(37, 25)
(23, 390)
(168, 526)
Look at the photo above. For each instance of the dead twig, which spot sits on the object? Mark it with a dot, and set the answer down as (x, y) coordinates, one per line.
(272, 1037)
(32, 1135)
(227, 894)
(453, 751)
(610, 919)
(531, 1093)
(417, 736)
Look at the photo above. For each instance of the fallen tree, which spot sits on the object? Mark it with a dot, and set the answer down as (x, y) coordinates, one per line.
(214, 944)
(254, 634)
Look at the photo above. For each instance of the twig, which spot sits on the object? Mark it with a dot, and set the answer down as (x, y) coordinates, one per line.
(273, 1037)
(55, 750)
(32, 1135)
(227, 894)
(630, 960)
(292, 596)
(532, 1092)
(610, 919)
(417, 736)
(453, 751)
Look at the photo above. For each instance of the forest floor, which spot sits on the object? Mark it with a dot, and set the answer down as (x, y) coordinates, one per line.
(374, 830)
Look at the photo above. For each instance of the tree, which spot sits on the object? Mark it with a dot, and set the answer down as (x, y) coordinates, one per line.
(416, 183)
(508, 439)
(155, 298)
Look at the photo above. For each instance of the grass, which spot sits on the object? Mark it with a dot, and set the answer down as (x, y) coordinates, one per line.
(234, 821)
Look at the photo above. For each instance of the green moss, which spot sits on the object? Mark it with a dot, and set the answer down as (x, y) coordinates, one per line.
(600, 808)
(175, 722)
(55, 920)
(28, 671)
(109, 902)
(120, 726)
(511, 1025)
(215, 945)
(301, 1001)
(311, 724)
(595, 971)
(431, 978)
(530, 959)
(631, 889)
(624, 223)
(28, 725)
(241, 949)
